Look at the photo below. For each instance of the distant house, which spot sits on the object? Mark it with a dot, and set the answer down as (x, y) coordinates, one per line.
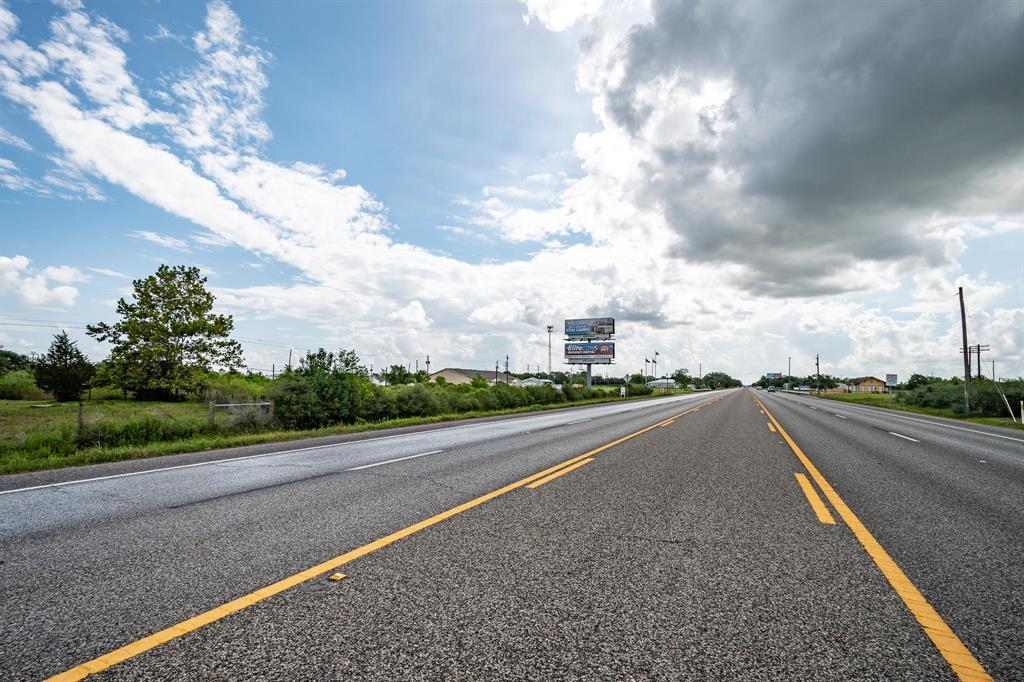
(456, 375)
(867, 385)
(663, 383)
(534, 381)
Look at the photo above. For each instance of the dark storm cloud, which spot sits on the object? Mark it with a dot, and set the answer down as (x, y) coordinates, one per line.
(850, 126)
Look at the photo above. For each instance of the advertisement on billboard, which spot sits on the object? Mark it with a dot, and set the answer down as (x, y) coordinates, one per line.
(774, 375)
(590, 328)
(590, 353)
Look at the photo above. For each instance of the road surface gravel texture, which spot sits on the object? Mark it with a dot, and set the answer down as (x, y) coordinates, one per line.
(686, 549)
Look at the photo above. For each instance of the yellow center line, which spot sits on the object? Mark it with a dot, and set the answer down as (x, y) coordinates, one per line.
(156, 639)
(771, 427)
(820, 510)
(560, 472)
(959, 657)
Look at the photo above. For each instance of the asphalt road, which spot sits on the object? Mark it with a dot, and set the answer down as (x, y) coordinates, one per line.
(676, 542)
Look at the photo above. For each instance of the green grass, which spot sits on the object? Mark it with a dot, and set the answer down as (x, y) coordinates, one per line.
(24, 430)
(882, 400)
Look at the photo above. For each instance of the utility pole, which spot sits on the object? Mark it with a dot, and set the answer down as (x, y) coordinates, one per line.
(273, 371)
(496, 362)
(289, 358)
(967, 353)
(506, 370)
(655, 364)
(817, 368)
(700, 373)
(789, 370)
(428, 365)
(993, 371)
(551, 328)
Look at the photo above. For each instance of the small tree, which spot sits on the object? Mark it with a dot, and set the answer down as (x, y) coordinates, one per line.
(63, 370)
(168, 337)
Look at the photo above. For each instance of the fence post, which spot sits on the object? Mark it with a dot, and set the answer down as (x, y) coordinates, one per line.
(81, 421)
(209, 415)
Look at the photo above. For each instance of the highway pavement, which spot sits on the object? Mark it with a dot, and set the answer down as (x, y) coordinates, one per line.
(731, 535)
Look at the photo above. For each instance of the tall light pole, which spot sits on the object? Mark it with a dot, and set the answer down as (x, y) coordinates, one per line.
(551, 328)
(789, 372)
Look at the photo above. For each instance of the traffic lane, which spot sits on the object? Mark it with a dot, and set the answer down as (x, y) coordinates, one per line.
(133, 466)
(69, 597)
(688, 552)
(1004, 444)
(954, 525)
(931, 458)
(74, 504)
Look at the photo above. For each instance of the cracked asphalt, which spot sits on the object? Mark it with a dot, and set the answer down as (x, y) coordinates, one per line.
(688, 551)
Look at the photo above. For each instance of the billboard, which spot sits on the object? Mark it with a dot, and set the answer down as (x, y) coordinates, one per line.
(890, 380)
(600, 353)
(774, 375)
(590, 328)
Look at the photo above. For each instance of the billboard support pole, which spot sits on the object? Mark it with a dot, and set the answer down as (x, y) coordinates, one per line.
(588, 374)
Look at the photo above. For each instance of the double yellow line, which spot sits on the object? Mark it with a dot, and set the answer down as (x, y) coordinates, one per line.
(959, 657)
(156, 639)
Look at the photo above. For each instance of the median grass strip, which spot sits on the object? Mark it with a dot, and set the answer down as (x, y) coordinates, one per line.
(27, 434)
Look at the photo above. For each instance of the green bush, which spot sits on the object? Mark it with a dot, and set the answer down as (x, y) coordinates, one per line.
(296, 403)
(21, 385)
(984, 396)
(638, 389)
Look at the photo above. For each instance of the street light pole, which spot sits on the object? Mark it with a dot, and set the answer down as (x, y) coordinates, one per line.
(551, 328)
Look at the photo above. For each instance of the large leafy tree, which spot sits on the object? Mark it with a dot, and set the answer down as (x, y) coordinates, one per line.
(168, 337)
(63, 370)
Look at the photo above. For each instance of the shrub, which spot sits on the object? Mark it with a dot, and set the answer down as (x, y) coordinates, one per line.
(21, 385)
(296, 403)
(417, 400)
(638, 389)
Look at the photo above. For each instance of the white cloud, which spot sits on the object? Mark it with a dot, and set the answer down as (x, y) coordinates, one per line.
(656, 179)
(163, 240)
(33, 287)
(110, 273)
(7, 137)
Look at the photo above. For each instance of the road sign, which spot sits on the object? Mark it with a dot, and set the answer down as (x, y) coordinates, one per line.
(622, 391)
(890, 380)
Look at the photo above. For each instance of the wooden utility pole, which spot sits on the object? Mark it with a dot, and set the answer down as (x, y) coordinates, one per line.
(967, 352)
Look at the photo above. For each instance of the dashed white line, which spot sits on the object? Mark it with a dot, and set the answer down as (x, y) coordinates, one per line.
(578, 421)
(841, 416)
(392, 461)
(900, 435)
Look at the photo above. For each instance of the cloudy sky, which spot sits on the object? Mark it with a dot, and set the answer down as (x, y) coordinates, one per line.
(736, 184)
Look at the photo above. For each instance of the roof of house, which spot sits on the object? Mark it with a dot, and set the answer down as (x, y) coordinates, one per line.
(471, 374)
(861, 380)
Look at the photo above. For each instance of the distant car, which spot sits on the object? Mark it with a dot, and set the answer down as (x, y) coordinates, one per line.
(771, 389)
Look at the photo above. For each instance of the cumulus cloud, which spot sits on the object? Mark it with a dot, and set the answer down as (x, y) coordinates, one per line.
(47, 287)
(734, 169)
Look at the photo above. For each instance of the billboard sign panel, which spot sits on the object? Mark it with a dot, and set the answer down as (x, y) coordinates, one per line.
(890, 380)
(601, 353)
(590, 328)
(774, 375)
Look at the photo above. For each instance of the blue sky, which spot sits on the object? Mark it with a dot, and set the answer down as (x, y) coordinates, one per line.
(438, 178)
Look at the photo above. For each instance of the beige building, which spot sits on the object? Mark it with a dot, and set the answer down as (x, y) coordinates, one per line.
(455, 375)
(867, 385)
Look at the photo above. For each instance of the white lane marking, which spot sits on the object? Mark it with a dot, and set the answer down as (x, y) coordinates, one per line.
(578, 421)
(321, 447)
(841, 416)
(889, 413)
(813, 407)
(392, 461)
(900, 435)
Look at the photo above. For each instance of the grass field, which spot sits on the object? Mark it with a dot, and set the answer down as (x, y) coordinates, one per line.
(882, 400)
(28, 432)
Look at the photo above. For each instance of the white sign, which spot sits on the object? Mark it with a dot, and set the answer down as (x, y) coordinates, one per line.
(890, 380)
(622, 391)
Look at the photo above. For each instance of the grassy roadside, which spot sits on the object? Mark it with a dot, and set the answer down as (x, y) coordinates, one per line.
(881, 400)
(12, 462)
